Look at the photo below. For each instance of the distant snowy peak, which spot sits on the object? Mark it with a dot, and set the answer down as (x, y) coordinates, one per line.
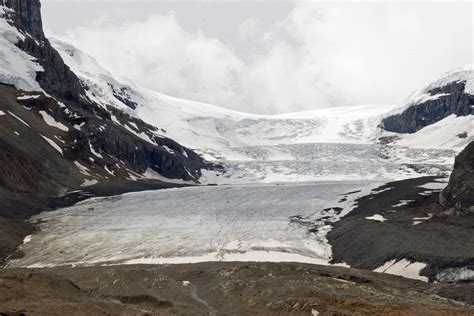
(452, 94)
(463, 76)
(439, 116)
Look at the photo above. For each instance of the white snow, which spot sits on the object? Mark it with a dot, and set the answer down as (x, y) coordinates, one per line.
(84, 170)
(434, 186)
(52, 144)
(419, 220)
(27, 239)
(151, 174)
(94, 152)
(402, 203)
(52, 122)
(442, 135)
(403, 268)
(28, 97)
(78, 127)
(89, 182)
(19, 119)
(168, 149)
(376, 217)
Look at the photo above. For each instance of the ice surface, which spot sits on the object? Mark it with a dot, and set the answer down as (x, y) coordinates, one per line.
(247, 222)
(453, 275)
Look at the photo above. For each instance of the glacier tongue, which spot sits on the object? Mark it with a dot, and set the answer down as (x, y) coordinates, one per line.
(224, 223)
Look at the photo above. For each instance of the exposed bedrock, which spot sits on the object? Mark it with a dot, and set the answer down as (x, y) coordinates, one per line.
(451, 99)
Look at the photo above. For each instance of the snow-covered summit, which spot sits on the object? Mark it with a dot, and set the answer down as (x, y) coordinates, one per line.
(463, 74)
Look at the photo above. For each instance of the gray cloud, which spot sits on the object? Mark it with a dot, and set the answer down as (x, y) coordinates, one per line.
(316, 55)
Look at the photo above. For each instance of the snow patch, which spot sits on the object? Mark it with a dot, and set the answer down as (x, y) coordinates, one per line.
(434, 186)
(53, 144)
(419, 220)
(28, 97)
(95, 153)
(403, 268)
(168, 149)
(51, 121)
(84, 170)
(152, 174)
(402, 203)
(376, 217)
(89, 182)
(19, 119)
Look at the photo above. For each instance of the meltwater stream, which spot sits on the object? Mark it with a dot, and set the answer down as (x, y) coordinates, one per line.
(275, 222)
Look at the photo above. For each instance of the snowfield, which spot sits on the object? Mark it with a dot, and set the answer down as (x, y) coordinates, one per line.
(285, 222)
(318, 145)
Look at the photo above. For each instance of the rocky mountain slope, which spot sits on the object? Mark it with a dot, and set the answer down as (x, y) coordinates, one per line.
(47, 110)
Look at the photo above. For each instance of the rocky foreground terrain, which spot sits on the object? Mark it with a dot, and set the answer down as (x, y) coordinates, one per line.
(225, 289)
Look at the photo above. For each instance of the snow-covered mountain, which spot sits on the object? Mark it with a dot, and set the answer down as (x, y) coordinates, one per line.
(419, 137)
(343, 142)
(53, 137)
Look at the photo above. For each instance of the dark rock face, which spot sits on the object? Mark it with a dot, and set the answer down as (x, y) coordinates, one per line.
(27, 16)
(417, 116)
(56, 79)
(459, 193)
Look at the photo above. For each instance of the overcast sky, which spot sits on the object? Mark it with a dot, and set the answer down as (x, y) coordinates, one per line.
(271, 57)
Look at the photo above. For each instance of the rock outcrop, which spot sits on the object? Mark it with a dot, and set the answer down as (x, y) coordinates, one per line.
(459, 194)
(444, 101)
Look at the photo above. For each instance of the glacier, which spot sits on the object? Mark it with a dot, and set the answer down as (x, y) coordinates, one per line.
(261, 222)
